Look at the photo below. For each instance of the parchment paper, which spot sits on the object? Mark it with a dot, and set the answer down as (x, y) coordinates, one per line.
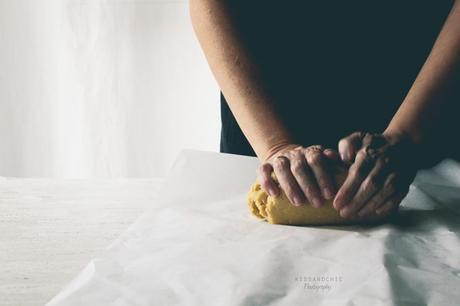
(199, 246)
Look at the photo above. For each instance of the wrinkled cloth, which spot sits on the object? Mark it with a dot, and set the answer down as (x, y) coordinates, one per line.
(198, 245)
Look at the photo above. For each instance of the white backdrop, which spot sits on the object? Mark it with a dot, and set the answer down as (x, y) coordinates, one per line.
(100, 88)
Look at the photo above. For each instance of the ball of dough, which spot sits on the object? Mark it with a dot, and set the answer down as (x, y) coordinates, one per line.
(279, 210)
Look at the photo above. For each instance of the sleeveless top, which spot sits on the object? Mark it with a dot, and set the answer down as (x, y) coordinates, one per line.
(333, 67)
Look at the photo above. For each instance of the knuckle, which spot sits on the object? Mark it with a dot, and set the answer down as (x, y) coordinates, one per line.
(323, 183)
(278, 166)
(367, 137)
(297, 167)
(296, 154)
(369, 155)
(265, 180)
(362, 155)
(390, 184)
(266, 167)
(391, 188)
(355, 171)
(370, 184)
(318, 147)
(310, 188)
(280, 163)
(314, 157)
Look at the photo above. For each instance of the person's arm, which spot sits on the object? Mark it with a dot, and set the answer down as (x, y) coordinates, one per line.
(301, 172)
(238, 77)
(419, 135)
(424, 114)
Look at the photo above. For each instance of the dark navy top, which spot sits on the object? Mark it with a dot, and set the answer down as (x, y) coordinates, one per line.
(334, 67)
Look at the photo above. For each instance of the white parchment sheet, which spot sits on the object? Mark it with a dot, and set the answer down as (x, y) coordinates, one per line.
(198, 245)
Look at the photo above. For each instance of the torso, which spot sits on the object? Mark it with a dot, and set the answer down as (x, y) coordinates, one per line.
(339, 66)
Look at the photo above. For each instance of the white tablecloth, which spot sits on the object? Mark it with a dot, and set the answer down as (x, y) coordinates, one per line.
(198, 245)
(50, 228)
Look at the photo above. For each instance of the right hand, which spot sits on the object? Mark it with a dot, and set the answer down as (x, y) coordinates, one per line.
(304, 173)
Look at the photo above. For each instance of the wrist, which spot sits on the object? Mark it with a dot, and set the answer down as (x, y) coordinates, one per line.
(394, 136)
(278, 149)
(416, 135)
(418, 154)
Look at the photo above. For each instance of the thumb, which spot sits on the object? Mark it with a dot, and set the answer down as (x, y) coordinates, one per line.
(349, 145)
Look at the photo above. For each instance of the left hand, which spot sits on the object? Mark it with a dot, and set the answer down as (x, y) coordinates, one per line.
(382, 168)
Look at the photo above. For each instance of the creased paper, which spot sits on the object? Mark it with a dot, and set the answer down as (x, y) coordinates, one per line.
(198, 245)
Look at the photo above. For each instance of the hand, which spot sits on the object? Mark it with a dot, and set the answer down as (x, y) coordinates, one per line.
(303, 173)
(382, 168)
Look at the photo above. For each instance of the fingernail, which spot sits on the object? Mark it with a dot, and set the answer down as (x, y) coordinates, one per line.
(328, 194)
(271, 192)
(317, 202)
(337, 203)
(345, 156)
(344, 213)
(297, 200)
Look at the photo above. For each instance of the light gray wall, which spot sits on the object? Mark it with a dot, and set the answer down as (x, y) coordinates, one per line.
(101, 88)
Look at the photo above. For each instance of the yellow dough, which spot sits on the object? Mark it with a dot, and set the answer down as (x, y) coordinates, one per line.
(279, 210)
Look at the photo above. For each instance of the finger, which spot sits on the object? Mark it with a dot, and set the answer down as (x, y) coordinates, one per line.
(320, 168)
(357, 173)
(349, 145)
(266, 180)
(388, 189)
(391, 204)
(369, 208)
(287, 181)
(306, 180)
(369, 187)
(397, 197)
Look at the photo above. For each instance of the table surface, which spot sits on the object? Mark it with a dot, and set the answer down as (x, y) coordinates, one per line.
(50, 229)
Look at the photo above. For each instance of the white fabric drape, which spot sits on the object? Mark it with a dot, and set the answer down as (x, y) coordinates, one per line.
(101, 88)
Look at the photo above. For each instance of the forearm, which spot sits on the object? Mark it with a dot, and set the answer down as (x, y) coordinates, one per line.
(425, 110)
(238, 77)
